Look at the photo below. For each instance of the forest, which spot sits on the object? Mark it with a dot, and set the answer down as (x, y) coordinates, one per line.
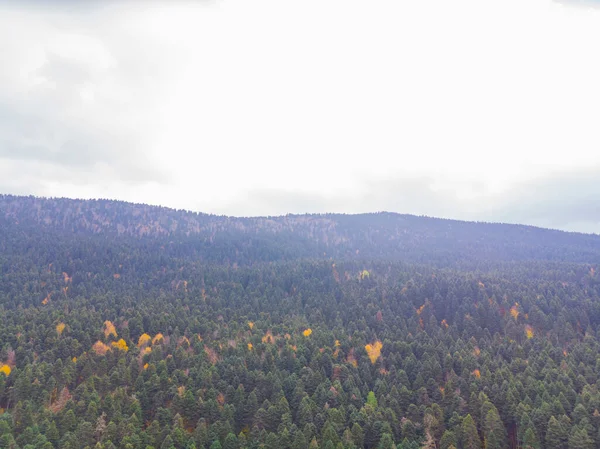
(141, 327)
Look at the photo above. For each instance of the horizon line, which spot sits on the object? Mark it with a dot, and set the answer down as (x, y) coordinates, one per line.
(292, 214)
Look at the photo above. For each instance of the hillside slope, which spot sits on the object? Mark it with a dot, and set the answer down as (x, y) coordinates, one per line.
(136, 327)
(242, 240)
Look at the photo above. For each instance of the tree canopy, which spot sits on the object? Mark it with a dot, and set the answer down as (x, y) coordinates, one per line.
(129, 326)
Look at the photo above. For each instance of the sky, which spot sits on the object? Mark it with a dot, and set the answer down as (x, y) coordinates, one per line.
(485, 110)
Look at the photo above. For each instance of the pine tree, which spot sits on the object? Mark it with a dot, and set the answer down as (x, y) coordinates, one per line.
(231, 442)
(448, 439)
(530, 440)
(329, 434)
(372, 400)
(556, 435)
(299, 441)
(494, 431)
(168, 443)
(386, 442)
(358, 435)
(579, 439)
(201, 434)
(470, 437)
(409, 430)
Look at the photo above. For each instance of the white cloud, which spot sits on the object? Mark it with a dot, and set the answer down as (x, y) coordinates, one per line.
(203, 105)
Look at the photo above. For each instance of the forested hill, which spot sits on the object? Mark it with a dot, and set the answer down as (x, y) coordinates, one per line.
(125, 326)
(222, 239)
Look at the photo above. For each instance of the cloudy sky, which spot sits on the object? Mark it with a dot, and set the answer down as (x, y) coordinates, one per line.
(470, 109)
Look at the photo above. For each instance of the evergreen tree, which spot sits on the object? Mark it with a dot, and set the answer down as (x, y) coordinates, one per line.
(386, 442)
(231, 442)
(530, 440)
(372, 400)
(449, 439)
(556, 435)
(469, 436)
(579, 439)
(494, 432)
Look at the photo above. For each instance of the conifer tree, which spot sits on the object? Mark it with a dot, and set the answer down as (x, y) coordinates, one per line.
(469, 436)
(494, 432)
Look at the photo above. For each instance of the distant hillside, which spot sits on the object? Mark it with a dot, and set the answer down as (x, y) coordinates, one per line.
(125, 326)
(385, 235)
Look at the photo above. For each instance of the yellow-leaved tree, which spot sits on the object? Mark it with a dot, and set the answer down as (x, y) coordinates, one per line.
(307, 332)
(157, 338)
(121, 345)
(374, 351)
(268, 338)
(529, 331)
(109, 329)
(60, 327)
(144, 340)
(5, 369)
(514, 311)
(100, 348)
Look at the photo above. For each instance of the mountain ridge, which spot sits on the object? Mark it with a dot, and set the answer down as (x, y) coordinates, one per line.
(382, 235)
(6, 199)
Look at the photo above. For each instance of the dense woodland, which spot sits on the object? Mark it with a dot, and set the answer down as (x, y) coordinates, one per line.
(139, 327)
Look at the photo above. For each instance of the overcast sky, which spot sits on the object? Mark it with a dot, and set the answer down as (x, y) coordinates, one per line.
(469, 109)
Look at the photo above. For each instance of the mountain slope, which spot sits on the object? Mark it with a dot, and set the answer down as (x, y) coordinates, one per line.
(242, 240)
(136, 327)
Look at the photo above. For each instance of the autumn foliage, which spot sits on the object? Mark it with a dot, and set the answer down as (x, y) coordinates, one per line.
(307, 332)
(514, 311)
(529, 331)
(120, 345)
(100, 348)
(5, 369)
(109, 329)
(59, 402)
(157, 338)
(351, 359)
(268, 338)
(212, 355)
(374, 351)
(60, 327)
(144, 340)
